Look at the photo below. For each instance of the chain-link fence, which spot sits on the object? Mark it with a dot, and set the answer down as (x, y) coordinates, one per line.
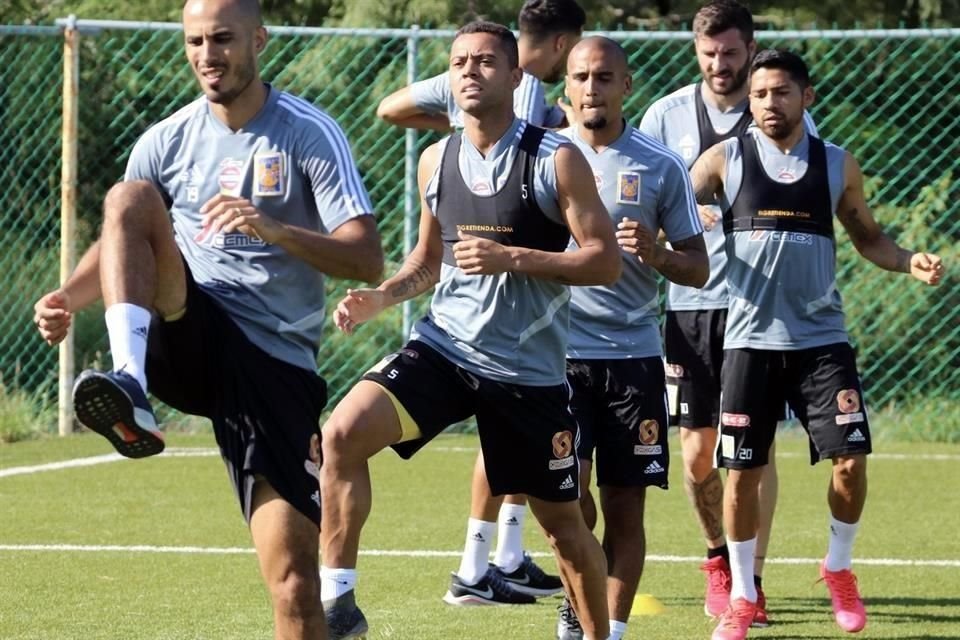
(890, 97)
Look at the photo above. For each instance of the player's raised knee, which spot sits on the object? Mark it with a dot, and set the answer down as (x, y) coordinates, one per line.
(134, 197)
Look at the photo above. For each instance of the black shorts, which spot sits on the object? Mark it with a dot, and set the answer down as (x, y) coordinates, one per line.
(693, 341)
(265, 412)
(528, 434)
(621, 409)
(821, 385)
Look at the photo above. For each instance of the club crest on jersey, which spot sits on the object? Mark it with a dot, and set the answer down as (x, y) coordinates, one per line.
(628, 187)
(230, 177)
(268, 174)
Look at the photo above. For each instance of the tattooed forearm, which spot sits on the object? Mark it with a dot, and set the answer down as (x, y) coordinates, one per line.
(858, 231)
(687, 264)
(707, 499)
(413, 283)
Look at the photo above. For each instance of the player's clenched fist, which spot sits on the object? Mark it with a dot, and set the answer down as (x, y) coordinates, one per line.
(51, 316)
(927, 267)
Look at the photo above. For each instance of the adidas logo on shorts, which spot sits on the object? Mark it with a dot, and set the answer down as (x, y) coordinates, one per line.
(856, 436)
(567, 484)
(654, 467)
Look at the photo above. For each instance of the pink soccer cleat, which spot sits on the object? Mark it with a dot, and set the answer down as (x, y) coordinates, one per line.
(718, 586)
(848, 608)
(735, 621)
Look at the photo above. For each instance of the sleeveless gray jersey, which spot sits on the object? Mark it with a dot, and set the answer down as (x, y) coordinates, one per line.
(433, 95)
(640, 179)
(508, 327)
(783, 287)
(292, 162)
(672, 120)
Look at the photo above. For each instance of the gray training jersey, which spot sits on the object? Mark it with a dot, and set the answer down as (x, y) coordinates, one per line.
(672, 120)
(433, 95)
(509, 327)
(640, 179)
(783, 285)
(293, 163)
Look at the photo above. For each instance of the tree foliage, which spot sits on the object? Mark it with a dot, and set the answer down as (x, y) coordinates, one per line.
(606, 14)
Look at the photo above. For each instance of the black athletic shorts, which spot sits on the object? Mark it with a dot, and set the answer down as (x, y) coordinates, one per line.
(693, 341)
(528, 434)
(265, 412)
(621, 409)
(822, 386)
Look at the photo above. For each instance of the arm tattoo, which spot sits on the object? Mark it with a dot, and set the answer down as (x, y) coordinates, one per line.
(707, 498)
(412, 282)
(705, 183)
(851, 221)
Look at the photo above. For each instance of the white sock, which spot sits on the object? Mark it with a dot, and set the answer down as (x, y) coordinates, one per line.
(476, 550)
(127, 326)
(840, 549)
(336, 582)
(617, 629)
(509, 553)
(742, 555)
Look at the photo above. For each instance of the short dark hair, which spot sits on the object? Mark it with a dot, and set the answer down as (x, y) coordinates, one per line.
(508, 41)
(541, 18)
(721, 15)
(787, 61)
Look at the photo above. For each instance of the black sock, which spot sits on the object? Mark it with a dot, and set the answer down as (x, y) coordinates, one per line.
(721, 551)
(758, 582)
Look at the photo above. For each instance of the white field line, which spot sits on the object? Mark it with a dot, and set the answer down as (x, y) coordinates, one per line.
(196, 452)
(432, 553)
(95, 460)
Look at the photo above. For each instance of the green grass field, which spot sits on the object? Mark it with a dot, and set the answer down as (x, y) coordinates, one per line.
(70, 566)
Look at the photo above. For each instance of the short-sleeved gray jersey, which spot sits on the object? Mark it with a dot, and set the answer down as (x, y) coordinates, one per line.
(509, 327)
(672, 120)
(433, 95)
(293, 163)
(783, 286)
(640, 179)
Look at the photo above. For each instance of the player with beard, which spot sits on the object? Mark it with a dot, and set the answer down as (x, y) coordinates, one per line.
(779, 189)
(689, 121)
(499, 204)
(614, 357)
(210, 264)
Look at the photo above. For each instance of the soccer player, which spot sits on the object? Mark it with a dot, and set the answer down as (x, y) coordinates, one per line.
(614, 357)
(779, 189)
(548, 29)
(689, 121)
(499, 204)
(210, 264)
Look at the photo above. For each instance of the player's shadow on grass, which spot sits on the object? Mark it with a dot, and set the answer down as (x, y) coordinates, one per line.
(894, 610)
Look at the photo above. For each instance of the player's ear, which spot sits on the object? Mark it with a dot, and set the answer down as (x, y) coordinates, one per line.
(559, 42)
(260, 39)
(809, 95)
(627, 84)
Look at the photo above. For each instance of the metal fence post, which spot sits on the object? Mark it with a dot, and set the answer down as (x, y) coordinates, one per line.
(68, 210)
(411, 191)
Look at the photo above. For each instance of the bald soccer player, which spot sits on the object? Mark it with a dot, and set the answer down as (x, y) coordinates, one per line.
(614, 356)
(219, 313)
